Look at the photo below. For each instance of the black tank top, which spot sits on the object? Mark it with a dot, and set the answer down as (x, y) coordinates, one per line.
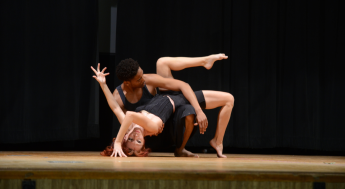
(145, 98)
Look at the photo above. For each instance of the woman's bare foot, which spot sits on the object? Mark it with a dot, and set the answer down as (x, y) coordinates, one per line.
(184, 153)
(212, 58)
(218, 148)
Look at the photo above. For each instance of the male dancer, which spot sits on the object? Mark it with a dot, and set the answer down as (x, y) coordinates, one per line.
(138, 88)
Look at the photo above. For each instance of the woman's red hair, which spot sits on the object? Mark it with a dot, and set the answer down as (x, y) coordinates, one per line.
(109, 150)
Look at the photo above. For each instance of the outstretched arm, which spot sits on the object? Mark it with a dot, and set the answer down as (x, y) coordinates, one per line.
(177, 85)
(114, 106)
(137, 118)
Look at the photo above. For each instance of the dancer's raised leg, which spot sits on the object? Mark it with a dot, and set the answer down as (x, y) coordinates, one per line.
(226, 101)
(166, 64)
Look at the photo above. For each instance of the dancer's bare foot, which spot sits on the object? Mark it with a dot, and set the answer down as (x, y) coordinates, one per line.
(212, 58)
(218, 148)
(184, 153)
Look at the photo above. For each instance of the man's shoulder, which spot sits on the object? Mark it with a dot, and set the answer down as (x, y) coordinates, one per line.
(119, 86)
(118, 99)
(116, 91)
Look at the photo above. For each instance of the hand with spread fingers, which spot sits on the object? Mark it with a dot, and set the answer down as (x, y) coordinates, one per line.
(118, 150)
(100, 75)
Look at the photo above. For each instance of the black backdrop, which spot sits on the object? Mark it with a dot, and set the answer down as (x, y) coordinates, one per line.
(47, 93)
(283, 68)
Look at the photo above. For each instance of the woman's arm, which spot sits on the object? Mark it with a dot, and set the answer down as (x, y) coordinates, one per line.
(137, 118)
(114, 106)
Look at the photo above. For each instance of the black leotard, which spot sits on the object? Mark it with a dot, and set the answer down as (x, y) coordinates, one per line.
(174, 127)
(160, 106)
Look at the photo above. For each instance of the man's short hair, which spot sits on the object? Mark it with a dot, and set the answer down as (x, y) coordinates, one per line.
(127, 69)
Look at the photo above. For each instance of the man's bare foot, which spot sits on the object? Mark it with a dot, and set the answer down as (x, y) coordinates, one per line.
(212, 58)
(218, 148)
(184, 153)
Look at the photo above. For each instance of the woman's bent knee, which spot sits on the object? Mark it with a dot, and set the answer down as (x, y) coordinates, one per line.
(161, 61)
(230, 100)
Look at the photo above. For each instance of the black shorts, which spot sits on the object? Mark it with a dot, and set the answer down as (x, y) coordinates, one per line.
(176, 124)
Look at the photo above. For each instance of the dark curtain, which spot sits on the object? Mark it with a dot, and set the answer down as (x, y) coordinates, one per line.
(47, 92)
(283, 67)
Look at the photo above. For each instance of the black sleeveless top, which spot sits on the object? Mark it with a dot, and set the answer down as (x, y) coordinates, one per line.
(145, 98)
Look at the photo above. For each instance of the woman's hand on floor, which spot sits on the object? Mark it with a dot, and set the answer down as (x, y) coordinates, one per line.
(118, 150)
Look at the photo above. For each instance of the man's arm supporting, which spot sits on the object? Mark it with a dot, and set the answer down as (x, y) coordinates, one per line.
(177, 85)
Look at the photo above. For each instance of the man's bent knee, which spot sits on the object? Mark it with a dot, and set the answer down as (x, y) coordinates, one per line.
(189, 120)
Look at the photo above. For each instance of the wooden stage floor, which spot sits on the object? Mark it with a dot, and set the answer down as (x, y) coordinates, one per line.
(164, 166)
(86, 170)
